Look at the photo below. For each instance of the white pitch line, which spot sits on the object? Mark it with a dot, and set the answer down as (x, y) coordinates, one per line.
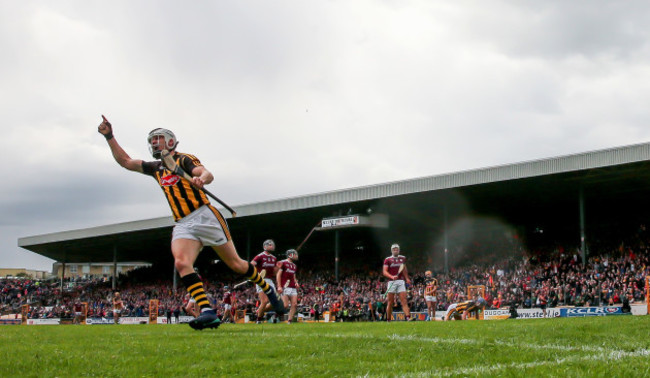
(602, 354)
(564, 348)
(478, 370)
(558, 347)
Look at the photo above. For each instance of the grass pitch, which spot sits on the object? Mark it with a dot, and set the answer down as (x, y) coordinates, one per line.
(597, 346)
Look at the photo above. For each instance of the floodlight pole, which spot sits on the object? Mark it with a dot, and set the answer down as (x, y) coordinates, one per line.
(583, 237)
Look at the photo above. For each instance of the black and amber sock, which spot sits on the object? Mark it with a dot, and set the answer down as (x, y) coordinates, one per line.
(253, 276)
(195, 287)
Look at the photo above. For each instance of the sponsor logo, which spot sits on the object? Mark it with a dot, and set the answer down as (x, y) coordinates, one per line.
(99, 321)
(400, 316)
(170, 180)
(52, 321)
(537, 313)
(530, 315)
(593, 311)
(11, 321)
(134, 320)
(496, 312)
(337, 222)
(181, 320)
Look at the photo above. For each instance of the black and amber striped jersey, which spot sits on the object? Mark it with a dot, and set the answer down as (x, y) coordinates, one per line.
(466, 306)
(431, 287)
(183, 198)
(471, 305)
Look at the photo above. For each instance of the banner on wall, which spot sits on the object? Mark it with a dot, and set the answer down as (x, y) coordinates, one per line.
(181, 320)
(51, 321)
(593, 311)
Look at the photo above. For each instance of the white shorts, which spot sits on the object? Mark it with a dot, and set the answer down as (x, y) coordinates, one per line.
(227, 307)
(117, 312)
(201, 225)
(431, 298)
(290, 292)
(268, 281)
(450, 309)
(77, 314)
(397, 286)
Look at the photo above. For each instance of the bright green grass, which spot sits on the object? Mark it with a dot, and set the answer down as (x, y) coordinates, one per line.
(602, 346)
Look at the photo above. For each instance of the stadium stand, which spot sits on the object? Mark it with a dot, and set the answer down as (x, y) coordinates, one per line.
(615, 275)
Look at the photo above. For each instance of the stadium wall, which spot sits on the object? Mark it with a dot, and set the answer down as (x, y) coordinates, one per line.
(526, 313)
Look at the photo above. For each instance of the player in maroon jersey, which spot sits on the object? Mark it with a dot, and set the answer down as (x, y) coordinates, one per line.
(265, 264)
(78, 313)
(287, 283)
(118, 307)
(397, 274)
(227, 307)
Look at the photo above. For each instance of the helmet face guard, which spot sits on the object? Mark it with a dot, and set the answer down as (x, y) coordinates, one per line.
(292, 254)
(269, 245)
(157, 145)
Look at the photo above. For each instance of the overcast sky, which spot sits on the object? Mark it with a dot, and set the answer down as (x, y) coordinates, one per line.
(285, 98)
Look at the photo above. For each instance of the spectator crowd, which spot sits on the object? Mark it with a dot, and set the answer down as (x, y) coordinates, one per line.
(517, 281)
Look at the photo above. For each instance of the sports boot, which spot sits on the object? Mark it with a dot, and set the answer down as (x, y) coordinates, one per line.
(207, 319)
(277, 304)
